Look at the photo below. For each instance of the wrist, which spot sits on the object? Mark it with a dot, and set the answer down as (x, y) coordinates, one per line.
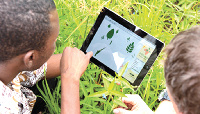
(70, 75)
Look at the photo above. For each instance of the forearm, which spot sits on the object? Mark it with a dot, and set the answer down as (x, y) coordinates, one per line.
(53, 66)
(70, 103)
(73, 64)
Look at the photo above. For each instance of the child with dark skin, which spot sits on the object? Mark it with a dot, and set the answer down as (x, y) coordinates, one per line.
(28, 34)
(71, 64)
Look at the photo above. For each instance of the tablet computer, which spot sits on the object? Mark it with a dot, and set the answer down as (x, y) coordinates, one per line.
(114, 41)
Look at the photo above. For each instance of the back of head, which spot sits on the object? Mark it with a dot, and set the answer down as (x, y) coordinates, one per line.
(24, 26)
(182, 70)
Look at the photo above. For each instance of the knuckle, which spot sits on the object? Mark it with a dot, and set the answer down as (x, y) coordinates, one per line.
(66, 49)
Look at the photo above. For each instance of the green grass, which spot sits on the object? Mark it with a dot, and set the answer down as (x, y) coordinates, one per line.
(161, 18)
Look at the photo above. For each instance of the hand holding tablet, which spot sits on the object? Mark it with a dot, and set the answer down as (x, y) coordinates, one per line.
(114, 41)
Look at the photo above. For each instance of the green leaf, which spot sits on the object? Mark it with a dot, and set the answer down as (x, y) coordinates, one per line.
(122, 70)
(114, 106)
(120, 103)
(105, 82)
(98, 99)
(83, 88)
(117, 93)
(190, 5)
(127, 84)
(99, 94)
(93, 70)
(111, 85)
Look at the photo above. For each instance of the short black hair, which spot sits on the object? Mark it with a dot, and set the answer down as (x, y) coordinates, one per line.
(24, 26)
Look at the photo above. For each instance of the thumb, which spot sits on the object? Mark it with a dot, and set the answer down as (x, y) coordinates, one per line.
(121, 111)
(89, 54)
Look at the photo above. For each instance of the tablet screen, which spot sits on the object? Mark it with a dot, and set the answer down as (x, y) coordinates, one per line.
(114, 44)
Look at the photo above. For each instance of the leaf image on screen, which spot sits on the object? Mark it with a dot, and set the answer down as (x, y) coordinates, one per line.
(130, 48)
(110, 34)
(98, 51)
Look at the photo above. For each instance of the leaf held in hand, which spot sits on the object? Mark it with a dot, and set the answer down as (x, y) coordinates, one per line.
(98, 94)
(117, 93)
(105, 82)
(111, 85)
(120, 103)
(122, 70)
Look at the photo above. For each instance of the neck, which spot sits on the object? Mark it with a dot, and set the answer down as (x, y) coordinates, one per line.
(9, 70)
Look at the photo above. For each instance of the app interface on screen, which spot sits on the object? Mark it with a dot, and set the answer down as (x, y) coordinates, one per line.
(115, 45)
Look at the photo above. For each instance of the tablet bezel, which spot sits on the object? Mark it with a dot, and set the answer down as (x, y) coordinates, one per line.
(159, 45)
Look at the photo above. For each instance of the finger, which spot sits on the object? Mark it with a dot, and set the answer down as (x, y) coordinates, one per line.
(76, 48)
(89, 54)
(122, 107)
(127, 100)
(134, 98)
(66, 50)
(121, 111)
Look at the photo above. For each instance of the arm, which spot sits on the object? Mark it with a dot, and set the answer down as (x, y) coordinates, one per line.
(69, 94)
(53, 66)
(73, 63)
(135, 105)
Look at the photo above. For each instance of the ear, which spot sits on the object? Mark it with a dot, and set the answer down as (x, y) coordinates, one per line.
(29, 57)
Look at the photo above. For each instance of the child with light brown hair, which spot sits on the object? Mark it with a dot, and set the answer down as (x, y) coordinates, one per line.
(182, 74)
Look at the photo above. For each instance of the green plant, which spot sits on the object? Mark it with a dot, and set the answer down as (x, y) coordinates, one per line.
(161, 18)
(52, 100)
(113, 88)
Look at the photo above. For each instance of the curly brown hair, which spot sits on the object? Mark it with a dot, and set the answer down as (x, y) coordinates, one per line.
(24, 26)
(182, 70)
